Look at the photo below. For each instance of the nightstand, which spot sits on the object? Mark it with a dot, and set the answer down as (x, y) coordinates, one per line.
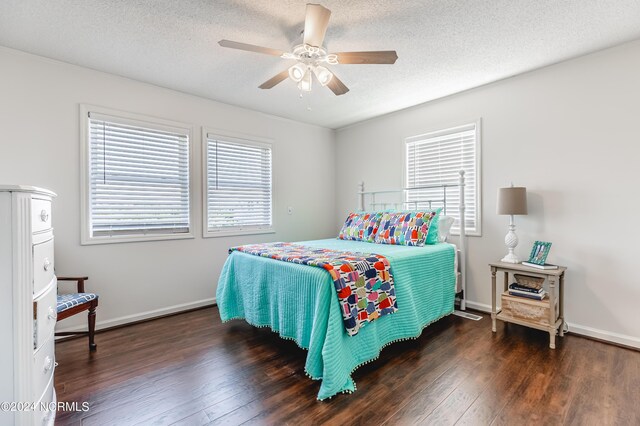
(546, 314)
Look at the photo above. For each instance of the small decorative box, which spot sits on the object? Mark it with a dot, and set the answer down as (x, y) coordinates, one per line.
(529, 281)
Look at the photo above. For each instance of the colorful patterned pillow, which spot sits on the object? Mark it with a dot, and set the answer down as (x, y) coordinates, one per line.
(405, 228)
(361, 226)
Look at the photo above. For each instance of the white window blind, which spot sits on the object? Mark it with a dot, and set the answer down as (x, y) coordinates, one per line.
(138, 177)
(239, 185)
(436, 159)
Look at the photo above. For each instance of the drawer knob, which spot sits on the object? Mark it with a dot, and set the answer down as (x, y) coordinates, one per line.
(48, 364)
(44, 215)
(53, 315)
(47, 264)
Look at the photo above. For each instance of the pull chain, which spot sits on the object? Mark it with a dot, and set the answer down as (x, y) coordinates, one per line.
(307, 101)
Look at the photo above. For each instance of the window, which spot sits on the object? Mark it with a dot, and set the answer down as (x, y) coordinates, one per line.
(135, 178)
(238, 186)
(436, 158)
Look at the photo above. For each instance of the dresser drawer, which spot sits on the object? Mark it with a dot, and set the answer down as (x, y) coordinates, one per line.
(43, 365)
(40, 214)
(42, 415)
(45, 319)
(42, 265)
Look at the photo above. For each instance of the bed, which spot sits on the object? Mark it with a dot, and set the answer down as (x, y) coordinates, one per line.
(299, 302)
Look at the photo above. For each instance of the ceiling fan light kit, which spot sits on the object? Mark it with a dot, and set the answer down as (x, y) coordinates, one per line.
(301, 74)
(311, 57)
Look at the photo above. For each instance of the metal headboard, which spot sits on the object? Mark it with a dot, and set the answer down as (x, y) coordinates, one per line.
(462, 245)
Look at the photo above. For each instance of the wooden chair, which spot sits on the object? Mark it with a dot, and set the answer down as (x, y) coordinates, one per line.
(74, 303)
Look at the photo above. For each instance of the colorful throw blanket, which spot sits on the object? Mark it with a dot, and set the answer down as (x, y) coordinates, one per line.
(363, 281)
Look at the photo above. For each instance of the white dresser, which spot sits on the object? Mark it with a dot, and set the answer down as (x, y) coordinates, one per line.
(27, 306)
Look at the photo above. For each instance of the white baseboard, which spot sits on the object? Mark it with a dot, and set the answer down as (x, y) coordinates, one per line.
(621, 339)
(479, 306)
(595, 333)
(145, 315)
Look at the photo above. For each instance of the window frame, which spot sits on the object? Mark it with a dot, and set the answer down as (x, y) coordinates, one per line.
(242, 139)
(86, 237)
(478, 147)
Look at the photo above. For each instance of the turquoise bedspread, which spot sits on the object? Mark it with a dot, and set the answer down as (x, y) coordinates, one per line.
(300, 303)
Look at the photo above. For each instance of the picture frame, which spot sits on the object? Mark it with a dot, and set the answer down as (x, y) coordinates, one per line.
(539, 252)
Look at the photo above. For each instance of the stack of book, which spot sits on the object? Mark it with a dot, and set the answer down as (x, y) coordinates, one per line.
(537, 266)
(516, 289)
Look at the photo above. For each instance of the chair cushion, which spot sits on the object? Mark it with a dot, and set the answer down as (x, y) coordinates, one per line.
(68, 301)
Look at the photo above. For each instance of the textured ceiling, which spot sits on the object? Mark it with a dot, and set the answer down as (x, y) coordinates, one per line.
(444, 46)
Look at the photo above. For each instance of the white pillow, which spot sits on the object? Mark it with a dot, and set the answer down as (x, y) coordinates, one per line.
(444, 227)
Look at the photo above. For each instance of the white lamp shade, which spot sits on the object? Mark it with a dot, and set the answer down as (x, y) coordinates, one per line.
(323, 75)
(512, 201)
(296, 72)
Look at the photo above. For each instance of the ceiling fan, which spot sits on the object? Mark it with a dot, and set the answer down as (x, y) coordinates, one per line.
(311, 57)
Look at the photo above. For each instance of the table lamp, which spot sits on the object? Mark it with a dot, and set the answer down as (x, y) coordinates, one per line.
(512, 201)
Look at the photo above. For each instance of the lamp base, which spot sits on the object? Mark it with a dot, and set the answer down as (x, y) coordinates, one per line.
(510, 258)
(511, 241)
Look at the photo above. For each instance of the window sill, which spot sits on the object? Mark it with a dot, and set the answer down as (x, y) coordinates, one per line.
(467, 234)
(237, 232)
(135, 238)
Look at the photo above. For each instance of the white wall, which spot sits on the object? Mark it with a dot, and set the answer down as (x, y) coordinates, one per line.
(569, 133)
(39, 122)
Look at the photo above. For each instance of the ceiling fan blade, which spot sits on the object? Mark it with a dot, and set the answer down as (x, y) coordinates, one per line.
(380, 57)
(337, 86)
(315, 24)
(276, 79)
(250, 47)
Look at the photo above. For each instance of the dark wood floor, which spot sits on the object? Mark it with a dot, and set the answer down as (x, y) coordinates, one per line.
(190, 369)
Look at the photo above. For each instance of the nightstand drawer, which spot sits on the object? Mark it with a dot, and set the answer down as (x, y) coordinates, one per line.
(42, 265)
(46, 315)
(534, 311)
(40, 215)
